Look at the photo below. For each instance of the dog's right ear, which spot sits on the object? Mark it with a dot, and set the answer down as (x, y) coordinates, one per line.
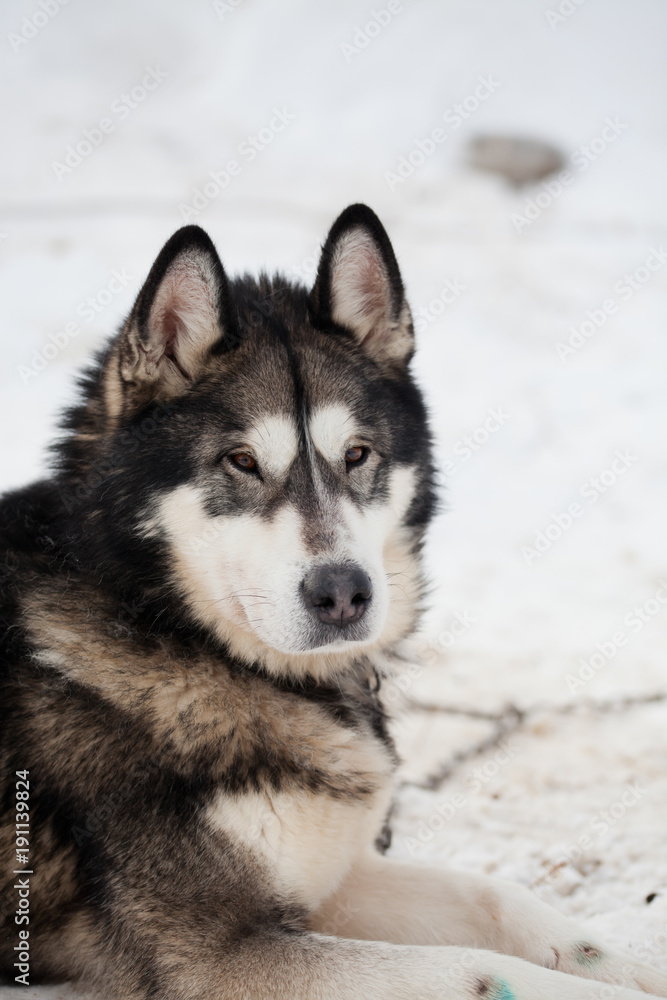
(182, 315)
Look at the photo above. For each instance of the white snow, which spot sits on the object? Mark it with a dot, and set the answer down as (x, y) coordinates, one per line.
(524, 626)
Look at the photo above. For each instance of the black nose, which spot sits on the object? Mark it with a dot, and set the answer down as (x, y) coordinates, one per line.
(337, 595)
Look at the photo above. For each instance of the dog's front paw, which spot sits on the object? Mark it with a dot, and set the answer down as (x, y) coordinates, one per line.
(504, 978)
(545, 937)
(590, 961)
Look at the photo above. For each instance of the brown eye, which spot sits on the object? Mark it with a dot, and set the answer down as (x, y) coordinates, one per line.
(244, 461)
(353, 456)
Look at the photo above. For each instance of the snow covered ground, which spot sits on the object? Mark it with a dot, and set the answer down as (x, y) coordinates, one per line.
(549, 615)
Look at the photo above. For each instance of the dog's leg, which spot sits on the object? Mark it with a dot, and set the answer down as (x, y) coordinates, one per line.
(387, 901)
(170, 928)
(288, 966)
(317, 968)
(177, 927)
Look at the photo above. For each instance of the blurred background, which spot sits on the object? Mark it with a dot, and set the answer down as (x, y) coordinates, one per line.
(537, 275)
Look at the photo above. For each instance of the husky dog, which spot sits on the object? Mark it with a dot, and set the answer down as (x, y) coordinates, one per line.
(198, 610)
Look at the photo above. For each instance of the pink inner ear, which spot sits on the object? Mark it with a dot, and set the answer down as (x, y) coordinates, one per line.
(359, 286)
(183, 322)
(172, 326)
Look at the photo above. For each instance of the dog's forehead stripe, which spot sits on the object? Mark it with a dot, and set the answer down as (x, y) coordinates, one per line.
(330, 428)
(275, 438)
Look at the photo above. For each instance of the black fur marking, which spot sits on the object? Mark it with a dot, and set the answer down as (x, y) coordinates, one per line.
(355, 704)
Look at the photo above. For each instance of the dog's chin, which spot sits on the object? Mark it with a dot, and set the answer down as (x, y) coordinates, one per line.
(328, 640)
(337, 644)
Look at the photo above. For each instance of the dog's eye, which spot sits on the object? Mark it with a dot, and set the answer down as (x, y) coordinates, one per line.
(356, 455)
(244, 461)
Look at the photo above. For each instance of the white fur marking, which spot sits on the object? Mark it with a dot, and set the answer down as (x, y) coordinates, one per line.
(275, 441)
(242, 575)
(308, 842)
(332, 430)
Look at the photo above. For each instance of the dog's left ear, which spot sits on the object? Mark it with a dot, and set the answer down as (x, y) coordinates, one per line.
(359, 288)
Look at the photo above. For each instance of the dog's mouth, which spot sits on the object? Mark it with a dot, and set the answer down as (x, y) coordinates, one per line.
(308, 636)
(332, 638)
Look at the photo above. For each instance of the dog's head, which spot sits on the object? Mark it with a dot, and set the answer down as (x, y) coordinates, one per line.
(269, 453)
